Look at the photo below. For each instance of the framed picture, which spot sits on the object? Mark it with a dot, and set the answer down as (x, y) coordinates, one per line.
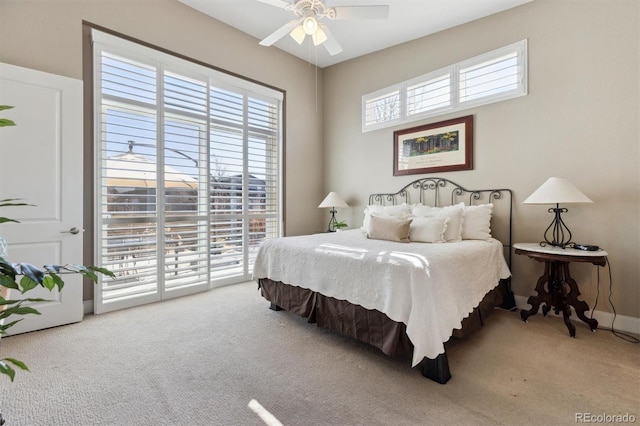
(446, 146)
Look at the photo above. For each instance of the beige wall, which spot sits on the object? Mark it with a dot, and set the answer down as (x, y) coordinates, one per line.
(46, 35)
(579, 121)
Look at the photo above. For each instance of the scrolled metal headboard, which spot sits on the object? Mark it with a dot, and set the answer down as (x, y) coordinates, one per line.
(433, 191)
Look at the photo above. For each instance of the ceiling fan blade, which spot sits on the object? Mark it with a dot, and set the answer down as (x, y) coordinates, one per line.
(361, 12)
(331, 44)
(277, 3)
(279, 33)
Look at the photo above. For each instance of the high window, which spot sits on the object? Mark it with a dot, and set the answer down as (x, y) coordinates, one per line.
(187, 173)
(491, 77)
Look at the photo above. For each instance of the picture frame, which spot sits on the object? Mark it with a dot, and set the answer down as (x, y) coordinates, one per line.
(445, 146)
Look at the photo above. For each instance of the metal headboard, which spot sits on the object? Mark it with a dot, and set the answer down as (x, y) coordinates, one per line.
(433, 191)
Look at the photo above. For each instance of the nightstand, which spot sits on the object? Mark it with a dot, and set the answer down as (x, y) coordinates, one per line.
(561, 291)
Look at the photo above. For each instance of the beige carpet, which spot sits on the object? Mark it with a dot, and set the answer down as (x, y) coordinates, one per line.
(199, 360)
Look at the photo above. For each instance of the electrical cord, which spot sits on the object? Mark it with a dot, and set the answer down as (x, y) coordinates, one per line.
(615, 332)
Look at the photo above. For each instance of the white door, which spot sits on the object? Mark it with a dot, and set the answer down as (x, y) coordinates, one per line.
(41, 162)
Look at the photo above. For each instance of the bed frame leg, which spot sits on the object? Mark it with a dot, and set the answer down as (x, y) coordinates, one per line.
(437, 369)
(274, 307)
(509, 300)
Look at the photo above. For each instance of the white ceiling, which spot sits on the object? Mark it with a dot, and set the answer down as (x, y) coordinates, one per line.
(408, 20)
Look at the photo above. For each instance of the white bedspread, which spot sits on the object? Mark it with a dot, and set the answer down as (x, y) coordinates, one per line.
(429, 287)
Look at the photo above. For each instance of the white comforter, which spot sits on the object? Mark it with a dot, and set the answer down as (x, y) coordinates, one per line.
(429, 287)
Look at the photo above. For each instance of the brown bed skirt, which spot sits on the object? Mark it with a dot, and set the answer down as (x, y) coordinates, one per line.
(369, 326)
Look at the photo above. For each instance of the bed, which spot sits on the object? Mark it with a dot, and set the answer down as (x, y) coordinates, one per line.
(406, 281)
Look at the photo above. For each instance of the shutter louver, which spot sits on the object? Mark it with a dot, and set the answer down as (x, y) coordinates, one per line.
(127, 179)
(226, 165)
(185, 201)
(430, 95)
(492, 77)
(382, 108)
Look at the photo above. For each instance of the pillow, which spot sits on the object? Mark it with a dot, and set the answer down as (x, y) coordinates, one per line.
(454, 213)
(401, 210)
(477, 222)
(389, 228)
(428, 229)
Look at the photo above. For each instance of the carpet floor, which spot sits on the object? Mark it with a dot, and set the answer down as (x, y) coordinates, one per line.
(200, 360)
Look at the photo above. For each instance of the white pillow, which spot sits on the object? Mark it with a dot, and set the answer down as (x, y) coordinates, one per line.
(453, 232)
(402, 211)
(428, 229)
(389, 228)
(477, 222)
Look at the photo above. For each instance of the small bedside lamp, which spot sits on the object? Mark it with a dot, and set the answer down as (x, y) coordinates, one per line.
(557, 191)
(332, 201)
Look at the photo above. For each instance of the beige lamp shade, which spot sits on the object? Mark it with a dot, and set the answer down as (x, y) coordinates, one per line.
(557, 191)
(333, 200)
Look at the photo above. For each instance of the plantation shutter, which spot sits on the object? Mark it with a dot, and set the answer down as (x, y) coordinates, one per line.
(381, 108)
(493, 76)
(214, 141)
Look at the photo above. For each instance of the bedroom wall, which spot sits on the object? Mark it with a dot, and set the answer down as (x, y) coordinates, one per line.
(580, 121)
(46, 35)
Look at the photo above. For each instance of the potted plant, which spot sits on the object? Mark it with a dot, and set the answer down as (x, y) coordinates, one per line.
(19, 278)
(340, 225)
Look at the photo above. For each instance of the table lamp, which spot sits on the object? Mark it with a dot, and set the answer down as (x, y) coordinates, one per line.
(557, 191)
(332, 201)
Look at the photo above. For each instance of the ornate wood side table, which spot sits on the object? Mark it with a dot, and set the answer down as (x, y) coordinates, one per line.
(561, 291)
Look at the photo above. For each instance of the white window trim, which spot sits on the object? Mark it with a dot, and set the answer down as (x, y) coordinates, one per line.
(520, 48)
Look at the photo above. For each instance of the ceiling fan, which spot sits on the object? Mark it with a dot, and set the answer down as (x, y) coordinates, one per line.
(310, 12)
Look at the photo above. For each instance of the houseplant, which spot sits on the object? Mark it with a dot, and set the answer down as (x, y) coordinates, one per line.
(23, 277)
(340, 225)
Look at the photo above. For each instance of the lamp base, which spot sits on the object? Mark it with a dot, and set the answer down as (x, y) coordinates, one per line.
(557, 233)
(332, 222)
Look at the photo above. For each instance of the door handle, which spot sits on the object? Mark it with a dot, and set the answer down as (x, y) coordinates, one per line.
(73, 231)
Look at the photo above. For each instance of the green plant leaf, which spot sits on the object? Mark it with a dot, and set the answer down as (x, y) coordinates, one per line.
(57, 280)
(13, 302)
(27, 284)
(6, 369)
(20, 310)
(6, 219)
(18, 363)
(48, 282)
(4, 107)
(8, 282)
(90, 274)
(8, 326)
(6, 202)
(5, 122)
(104, 271)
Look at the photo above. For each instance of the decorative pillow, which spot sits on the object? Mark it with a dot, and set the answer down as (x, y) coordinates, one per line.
(402, 211)
(428, 229)
(389, 228)
(454, 213)
(477, 222)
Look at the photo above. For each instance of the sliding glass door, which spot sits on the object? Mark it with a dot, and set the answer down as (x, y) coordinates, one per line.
(187, 175)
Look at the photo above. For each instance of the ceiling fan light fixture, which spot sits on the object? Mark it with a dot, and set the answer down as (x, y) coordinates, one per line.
(310, 25)
(319, 37)
(298, 34)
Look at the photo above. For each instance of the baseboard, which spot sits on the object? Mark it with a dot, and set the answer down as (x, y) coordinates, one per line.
(87, 306)
(623, 322)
